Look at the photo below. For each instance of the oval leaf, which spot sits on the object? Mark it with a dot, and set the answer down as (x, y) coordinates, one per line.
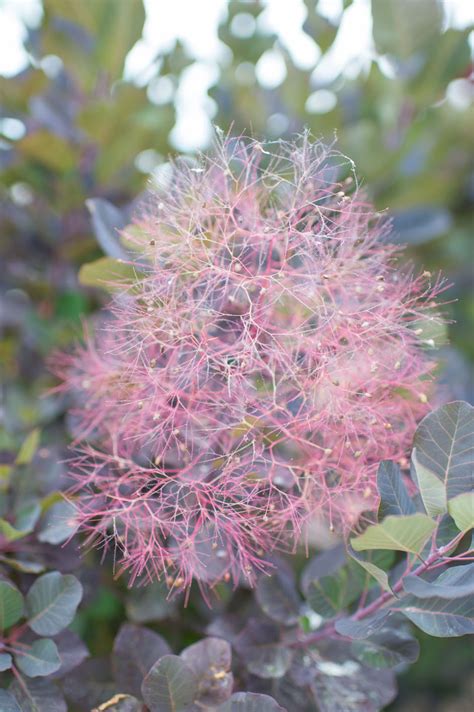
(52, 601)
(40, 659)
(210, 660)
(170, 686)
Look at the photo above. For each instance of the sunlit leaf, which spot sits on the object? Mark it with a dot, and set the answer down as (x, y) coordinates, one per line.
(461, 508)
(403, 533)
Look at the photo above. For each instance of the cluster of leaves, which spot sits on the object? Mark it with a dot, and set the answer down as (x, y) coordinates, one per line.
(332, 642)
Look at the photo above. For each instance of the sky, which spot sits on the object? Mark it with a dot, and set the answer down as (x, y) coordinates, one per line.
(196, 24)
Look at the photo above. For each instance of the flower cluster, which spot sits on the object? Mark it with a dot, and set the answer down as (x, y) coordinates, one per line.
(268, 355)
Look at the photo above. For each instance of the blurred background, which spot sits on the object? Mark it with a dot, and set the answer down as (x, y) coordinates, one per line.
(95, 95)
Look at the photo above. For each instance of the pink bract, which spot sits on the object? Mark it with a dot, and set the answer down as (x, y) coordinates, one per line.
(268, 356)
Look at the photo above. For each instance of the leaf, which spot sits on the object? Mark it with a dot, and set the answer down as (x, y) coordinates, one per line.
(27, 516)
(323, 564)
(250, 702)
(5, 662)
(394, 497)
(107, 221)
(367, 560)
(58, 524)
(72, 652)
(359, 629)
(432, 489)
(331, 594)
(341, 684)
(210, 660)
(52, 601)
(8, 702)
(40, 659)
(444, 442)
(10, 532)
(277, 597)
(170, 686)
(261, 651)
(403, 533)
(37, 696)
(440, 617)
(386, 649)
(108, 273)
(28, 448)
(461, 508)
(130, 669)
(456, 582)
(11, 605)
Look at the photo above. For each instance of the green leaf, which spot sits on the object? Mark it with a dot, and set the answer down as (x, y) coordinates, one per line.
(40, 659)
(408, 533)
(108, 273)
(394, 497)
(440, 617)
(444, 445)
(52, 601)
(35, 695)
(11, 605)
(432, 489)
(5, 663)
(10, 532)
(386, 649)
(456, 582)
(170, 685)
(371, 563)
(28, 448)
(461, 508)
(331, 594)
